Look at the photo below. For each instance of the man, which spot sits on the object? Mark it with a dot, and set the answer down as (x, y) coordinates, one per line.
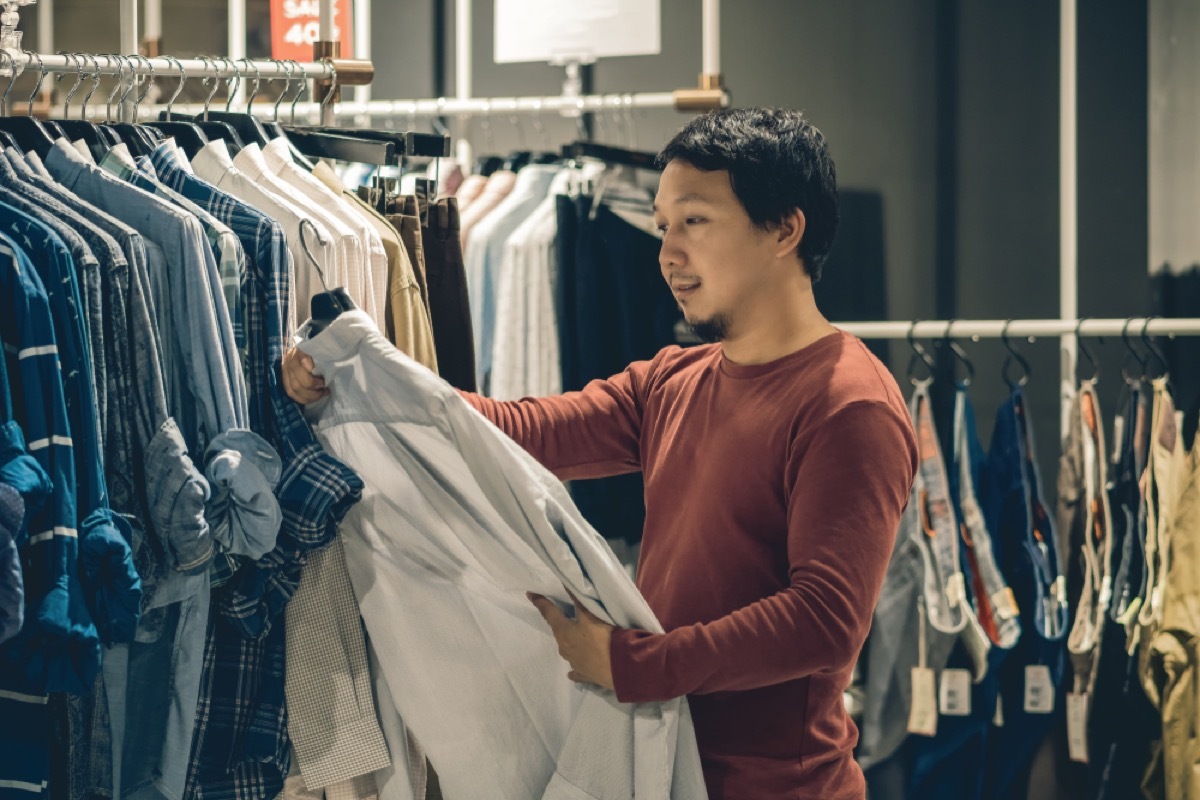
(777, 461)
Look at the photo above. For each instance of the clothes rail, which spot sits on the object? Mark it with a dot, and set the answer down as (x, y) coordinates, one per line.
(493, 105)
(348, 72)
(1023, 328)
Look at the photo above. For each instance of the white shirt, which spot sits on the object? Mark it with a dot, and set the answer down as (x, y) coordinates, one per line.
(369, 264)
(214, 165)
(455, 525)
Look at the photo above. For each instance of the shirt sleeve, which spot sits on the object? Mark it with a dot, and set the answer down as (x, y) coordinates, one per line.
(848, 486)
(591, 433)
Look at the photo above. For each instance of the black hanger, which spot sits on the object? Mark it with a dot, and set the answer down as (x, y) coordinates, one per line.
(1086, 353)
(1013, 357)
(919, 356)
(214, 129)
(27, 132)
(74, 129)
(1142, 362)
(1153, 350)
(188, 135)
(248, 128)
(612, 155)
(327, 305)
(517, 160)
(133, 136)
(274, 127)
(486, 165)
(960, 355)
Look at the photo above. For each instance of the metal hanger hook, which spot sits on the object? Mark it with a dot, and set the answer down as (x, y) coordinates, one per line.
(95, 85)
(308, 252)
(178, 89)
(1142, 362)
(959, 353)
(42, 76)
(12, 62)
(286, 67)
(234, 83)
(77, 59)
(126, 60)
(301, 91)
(1086, 353)
(1013, 356)
(214, 80)
(149, 84)
(257, 82)
(333, 85)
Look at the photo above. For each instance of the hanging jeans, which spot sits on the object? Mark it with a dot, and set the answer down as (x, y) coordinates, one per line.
(921, 615)
(951, 766)
(1028, 557)
(1124, 723)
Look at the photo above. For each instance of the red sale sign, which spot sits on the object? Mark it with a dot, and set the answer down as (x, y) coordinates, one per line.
(295, 25)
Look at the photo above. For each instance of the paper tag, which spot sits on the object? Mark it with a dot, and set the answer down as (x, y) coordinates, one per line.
(922, 717)
(1077, 745)
(1039, 690)
(998, 717)
(956, 589)
(1005, 604)
(954, 694)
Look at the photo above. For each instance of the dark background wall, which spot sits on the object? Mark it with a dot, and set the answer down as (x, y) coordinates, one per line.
(942, 116)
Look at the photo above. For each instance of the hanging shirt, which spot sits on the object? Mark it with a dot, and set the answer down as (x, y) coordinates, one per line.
(349, 257)
(371, 260)
(484, 259)
(498, 185)
(525, 358)
(243, 683)
(468, 191)
(407, 322)
(456, 524)
(771, 513)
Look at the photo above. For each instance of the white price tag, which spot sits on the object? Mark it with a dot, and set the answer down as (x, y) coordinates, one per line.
(998, 717)
(922, 717)
(1039, 690)
(954, 693)
(1077, 745)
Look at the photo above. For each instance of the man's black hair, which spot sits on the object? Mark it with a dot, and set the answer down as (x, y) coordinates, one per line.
(777, 161)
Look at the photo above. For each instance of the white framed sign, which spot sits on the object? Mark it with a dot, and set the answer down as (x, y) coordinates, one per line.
(558, 30)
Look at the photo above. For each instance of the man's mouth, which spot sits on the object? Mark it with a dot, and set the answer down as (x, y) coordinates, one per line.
(684, 288)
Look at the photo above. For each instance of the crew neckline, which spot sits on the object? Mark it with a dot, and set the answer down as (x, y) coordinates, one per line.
(745, 371)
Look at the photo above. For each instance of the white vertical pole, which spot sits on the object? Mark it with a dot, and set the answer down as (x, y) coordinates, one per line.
(45, 26)
(462, 73)
(362, 43)
(129, 44)
(153, 25)
(236, 43)
(1068, 298)
(326, 34)
(711, 37)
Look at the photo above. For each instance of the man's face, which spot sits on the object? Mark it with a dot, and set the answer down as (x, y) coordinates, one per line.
(718, 265)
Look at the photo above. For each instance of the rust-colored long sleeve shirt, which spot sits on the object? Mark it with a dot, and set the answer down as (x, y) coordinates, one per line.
(773, 496)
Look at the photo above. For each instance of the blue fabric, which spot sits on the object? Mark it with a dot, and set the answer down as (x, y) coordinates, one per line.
(193, 363)
(1028, 557)
(12, 584)
(241, 749)
(105, 559)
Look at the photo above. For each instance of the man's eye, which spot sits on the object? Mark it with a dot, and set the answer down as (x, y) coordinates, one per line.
(694, 220)
(661, 228)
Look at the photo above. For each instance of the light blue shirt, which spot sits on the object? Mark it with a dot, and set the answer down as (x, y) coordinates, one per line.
(486, 254)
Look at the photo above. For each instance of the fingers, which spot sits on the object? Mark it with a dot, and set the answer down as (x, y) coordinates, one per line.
(577, 677)
(580, 609)
(554, 618)
(298, 379)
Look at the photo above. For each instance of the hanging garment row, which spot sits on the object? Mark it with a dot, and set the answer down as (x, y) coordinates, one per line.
(1002, 624)
(172, 494)
(561, 256)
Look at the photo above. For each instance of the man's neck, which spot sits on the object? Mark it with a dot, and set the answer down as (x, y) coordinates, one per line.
(777, 332)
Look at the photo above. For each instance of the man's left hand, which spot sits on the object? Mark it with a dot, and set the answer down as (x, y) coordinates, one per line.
(583, 642)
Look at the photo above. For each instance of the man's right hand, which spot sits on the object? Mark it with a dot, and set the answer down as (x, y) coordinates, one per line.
(298, 379)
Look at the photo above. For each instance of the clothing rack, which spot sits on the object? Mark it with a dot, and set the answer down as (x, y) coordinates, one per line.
(348, 72)
(1022, 328)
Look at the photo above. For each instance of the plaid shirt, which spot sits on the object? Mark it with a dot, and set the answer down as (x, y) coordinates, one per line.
(241, 749)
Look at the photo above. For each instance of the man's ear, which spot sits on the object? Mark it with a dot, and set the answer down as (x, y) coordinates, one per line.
(789, 233)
